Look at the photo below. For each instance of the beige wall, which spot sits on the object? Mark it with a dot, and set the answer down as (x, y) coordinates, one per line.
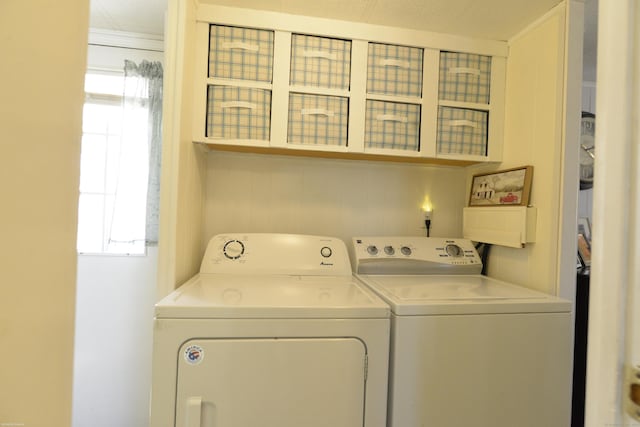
(340, 198)
(182, 168)
(43, 46)
(533, 136)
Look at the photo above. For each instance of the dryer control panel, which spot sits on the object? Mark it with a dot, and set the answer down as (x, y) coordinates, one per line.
(415, 255)
(274, 253)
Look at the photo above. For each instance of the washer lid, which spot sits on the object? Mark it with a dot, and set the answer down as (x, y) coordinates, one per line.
(222, 296)
(459, 294)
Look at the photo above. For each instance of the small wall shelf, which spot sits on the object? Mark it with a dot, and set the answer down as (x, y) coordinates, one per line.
(511, 226)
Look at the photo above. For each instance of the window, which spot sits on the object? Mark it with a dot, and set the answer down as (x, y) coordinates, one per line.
(113, 172)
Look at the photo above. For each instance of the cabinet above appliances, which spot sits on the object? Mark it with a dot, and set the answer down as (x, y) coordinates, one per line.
(286, 84)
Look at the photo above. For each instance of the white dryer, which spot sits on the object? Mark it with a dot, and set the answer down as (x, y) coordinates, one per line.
(273, 332)
(466, 350)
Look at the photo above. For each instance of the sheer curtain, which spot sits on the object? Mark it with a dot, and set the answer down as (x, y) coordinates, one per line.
(135, 212)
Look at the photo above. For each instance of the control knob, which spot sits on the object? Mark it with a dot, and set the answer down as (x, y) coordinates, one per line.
(233, 249)
(326, 251)
(454, 251)
(372, 250)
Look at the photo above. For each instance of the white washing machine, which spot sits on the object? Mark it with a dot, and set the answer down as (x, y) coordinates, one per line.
(466, 350)
(273, 332)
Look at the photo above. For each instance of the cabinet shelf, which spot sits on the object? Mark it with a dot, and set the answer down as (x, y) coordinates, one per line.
(511, 226)
(258, 147)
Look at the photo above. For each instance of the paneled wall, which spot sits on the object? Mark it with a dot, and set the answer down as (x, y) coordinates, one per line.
(533, 135)
(341, 198)
(114, 316)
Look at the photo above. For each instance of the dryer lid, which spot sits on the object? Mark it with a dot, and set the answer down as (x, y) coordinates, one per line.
(231, 296)
(459, 294)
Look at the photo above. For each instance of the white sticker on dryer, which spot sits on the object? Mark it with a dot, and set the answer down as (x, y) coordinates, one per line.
(194, 354)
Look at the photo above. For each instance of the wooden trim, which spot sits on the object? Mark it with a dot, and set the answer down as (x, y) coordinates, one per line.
(126, 40)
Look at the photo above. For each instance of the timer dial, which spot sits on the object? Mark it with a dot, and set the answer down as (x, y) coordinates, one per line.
(233, 249)
(454, 251)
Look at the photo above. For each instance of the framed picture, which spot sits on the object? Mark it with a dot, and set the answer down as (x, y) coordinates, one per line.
(510, 187)
(584, 250)
(584, 242)
(584, 228)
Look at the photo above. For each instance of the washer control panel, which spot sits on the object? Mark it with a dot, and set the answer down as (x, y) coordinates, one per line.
(396, 255)
(273, 253)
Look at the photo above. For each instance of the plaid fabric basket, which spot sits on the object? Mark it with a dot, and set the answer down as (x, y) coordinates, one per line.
(320, 62)
(394, 70)
(464, 77)
(462, 131)
(318, 119)
(238, 113)
(392, 125)
(240, 53)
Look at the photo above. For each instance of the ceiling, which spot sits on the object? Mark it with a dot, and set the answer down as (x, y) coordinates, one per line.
(134, 16)
(482, 19)
(473, 18)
